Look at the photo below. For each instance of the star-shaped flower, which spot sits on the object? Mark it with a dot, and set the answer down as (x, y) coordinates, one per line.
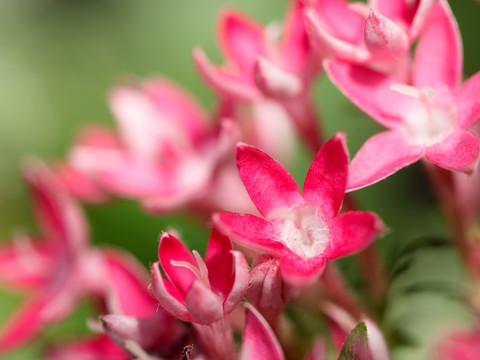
(426, 118)
(304, 230)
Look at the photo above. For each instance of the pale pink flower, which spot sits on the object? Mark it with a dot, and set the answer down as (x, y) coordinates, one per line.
(426, 118)
(303, 230)
(166, 153)
(197, 290)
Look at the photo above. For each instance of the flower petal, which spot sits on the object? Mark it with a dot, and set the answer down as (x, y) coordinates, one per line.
(25, 264)
(327, 176)
(381, 156)
(170, 248)
(24, 324)
(459, 151)
(154, 113)
(351, 232)
(318, 350)
(250, 231)
(240, 283)
(345, 23)
(468, 101)
(297, 271)
(169, 302)
(268, 183)
(275, 82)
(421, 17)
(384, 39)
(203, 305)
(227, 83)
(241, 39)
(219, 261)
(392, 9)
(259, 341)
(328, 44)
(61, 219)
(370, 91)
(129, 282)
(438, 64)
(150, 333)
(80, 184)
(295, 48)
(94, 348)
(413, 15)
(174, 104)
(266, 290)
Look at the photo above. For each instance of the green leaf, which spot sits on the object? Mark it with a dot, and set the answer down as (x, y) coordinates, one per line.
(356, 344)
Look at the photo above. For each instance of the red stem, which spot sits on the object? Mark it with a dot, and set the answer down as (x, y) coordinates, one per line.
(338, 290)
(444, 186)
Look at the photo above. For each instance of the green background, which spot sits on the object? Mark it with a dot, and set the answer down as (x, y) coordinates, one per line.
(58, 59)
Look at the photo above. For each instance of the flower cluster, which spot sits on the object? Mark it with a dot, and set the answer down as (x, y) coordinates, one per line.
(272, 246)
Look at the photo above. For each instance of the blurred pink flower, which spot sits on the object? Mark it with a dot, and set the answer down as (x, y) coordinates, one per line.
(303, 230)
(166, 153)
(53, 268)
(266, 63)
(133, 319)
(61, 266)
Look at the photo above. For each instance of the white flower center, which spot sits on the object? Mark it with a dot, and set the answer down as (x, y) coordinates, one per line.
(303, 231)
(429, 120)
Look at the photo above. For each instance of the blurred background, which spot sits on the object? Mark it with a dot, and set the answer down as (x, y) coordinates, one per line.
(58, 60)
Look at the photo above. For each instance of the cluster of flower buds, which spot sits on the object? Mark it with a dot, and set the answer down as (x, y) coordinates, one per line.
(167, 154)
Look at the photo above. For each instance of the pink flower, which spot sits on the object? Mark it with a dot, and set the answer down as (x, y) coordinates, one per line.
(50, 267)
(197, 290)
(252, 51)
(427, 118)
(61, 267)
(259, 66)
(163, 138)
(378, 33)
(134, 323)
(303, 230)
